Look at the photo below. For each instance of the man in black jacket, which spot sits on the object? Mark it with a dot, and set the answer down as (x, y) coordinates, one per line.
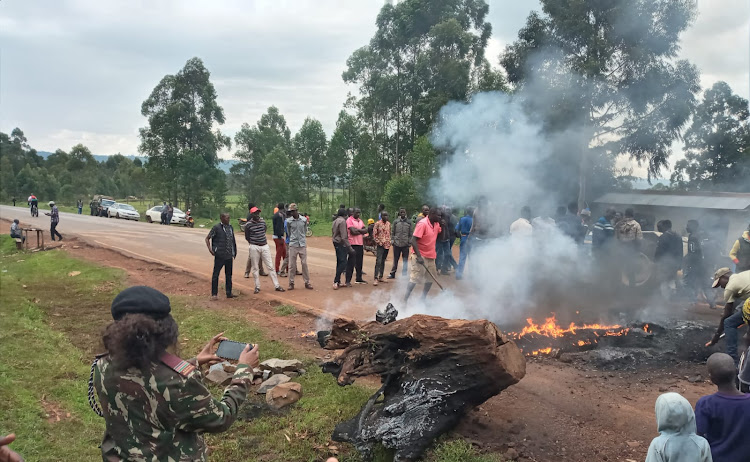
(222, 245)
(668, 256)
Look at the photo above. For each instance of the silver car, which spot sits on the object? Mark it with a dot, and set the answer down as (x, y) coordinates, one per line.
(125, 211)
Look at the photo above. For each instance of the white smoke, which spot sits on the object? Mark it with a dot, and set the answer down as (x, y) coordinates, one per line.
(492, 150)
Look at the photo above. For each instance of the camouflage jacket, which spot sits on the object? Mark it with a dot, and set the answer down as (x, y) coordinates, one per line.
(628, 230)
(161, 414)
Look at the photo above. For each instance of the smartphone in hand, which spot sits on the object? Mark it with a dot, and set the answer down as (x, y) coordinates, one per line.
(229, 349)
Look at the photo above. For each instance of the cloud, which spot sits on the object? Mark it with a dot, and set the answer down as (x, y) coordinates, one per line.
(82, 68)
(85, 67)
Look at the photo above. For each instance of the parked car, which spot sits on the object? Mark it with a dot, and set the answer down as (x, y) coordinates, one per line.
(104, 205)
(125, 211)
(153, 215)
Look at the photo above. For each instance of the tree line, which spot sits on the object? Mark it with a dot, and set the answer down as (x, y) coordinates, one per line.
(607, 71)
(65, 176)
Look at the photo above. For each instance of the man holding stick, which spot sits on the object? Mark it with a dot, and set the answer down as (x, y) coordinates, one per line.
(423, 253)
(736, 292)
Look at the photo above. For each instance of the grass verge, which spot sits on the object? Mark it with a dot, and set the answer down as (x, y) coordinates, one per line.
(51, 325)
(285, 310)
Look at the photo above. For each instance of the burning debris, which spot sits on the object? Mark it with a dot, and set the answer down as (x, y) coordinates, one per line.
(551, 339)
(433, 371)
(616, 347)
(551, 328)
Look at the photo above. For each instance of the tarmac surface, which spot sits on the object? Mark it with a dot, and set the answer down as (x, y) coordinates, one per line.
(185, 249)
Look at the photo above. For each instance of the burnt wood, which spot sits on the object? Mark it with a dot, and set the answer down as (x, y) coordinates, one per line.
(433, 371)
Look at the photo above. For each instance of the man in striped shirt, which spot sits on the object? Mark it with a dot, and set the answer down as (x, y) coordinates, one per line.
(255, 234)
(603, 233)
(54, 215)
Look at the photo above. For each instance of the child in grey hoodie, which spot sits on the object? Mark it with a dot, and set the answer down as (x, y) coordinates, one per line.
(677, 440)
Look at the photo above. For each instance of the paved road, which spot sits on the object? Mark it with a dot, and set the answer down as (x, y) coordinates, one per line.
(185, 249)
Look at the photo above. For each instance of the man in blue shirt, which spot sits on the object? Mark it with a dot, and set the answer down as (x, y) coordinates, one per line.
(604, 233)
(463, 228)
(724, 417)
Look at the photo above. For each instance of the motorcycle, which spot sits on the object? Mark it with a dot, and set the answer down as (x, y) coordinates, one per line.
(190, 222)
(308, 228)
(34, 210)
(369, 245)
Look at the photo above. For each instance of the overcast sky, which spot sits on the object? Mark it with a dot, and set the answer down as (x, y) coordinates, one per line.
(77, 71)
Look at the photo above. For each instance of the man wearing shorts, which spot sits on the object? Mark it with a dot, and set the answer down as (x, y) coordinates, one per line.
(423, 253)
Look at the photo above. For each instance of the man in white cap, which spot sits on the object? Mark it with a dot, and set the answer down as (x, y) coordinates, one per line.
(736, 292)
(54, 215)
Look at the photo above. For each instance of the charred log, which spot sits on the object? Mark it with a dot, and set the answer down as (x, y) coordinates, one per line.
(433, 371)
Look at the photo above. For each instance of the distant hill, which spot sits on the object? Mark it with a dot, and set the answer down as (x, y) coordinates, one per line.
(224, 164)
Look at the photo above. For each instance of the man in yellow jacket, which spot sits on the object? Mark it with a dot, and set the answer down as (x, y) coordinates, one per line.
(740, 253)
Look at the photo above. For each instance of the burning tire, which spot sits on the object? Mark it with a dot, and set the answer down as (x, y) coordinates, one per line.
(645, 267)
(645, 273)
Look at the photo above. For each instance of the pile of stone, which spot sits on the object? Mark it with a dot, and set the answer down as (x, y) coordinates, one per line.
(273, 378)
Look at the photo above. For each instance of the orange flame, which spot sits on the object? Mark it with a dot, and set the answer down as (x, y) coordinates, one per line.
(543, 351)
(646, 329)
(309, 334)
(550, 328)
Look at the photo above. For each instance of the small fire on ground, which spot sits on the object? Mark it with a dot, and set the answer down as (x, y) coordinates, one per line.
(573, 337)
(311, 334)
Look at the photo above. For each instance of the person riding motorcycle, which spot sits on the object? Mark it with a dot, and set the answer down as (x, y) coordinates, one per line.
(190, 222)
(34, 205)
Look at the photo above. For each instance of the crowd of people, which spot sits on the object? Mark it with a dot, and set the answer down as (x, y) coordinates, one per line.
(289, 229)
(614, 234)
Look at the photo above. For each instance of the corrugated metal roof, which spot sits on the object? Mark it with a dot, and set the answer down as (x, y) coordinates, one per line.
(716, 201)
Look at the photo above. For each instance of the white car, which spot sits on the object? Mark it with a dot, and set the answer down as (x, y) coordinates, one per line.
(153, 215)
(125, 211)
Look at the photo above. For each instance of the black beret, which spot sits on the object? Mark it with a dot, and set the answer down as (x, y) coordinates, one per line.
(140, 300)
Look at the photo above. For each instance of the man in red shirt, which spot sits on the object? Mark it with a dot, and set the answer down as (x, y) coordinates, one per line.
(423, 253)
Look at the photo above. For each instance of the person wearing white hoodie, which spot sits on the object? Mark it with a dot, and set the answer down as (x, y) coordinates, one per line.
(677, 440)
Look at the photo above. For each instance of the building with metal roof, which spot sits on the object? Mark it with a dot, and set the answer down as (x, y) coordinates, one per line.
(705, 200)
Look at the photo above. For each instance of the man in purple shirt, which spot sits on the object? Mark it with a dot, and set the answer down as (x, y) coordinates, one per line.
(724, 417)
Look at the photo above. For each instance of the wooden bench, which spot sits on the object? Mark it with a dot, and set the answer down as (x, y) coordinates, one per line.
(19, 243)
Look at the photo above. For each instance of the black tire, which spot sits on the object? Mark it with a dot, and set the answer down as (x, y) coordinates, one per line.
(148, 219)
